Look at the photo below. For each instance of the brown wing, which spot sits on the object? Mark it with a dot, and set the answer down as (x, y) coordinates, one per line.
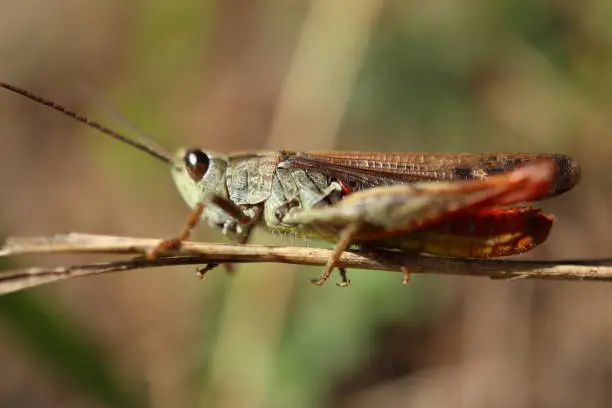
(366, 169)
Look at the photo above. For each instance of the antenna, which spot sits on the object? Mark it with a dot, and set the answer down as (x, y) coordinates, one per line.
(157, 153)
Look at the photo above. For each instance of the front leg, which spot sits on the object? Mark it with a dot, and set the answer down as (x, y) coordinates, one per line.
(244, 220)
(242, 235)
(239, 228)
(176, 242)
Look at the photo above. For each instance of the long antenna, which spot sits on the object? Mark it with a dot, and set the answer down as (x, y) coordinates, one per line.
(91, 123)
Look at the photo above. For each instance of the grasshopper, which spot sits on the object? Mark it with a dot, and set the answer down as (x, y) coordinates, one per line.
(442, 204)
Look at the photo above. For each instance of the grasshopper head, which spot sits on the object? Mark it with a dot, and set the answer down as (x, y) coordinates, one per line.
(197, 174)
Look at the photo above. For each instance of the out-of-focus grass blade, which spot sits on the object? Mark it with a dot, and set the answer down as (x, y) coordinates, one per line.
(66, 349)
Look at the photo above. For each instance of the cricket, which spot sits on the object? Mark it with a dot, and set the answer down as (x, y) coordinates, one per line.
(451, 205)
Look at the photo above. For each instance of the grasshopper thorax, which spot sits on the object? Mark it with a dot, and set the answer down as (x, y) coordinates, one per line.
(198, 174)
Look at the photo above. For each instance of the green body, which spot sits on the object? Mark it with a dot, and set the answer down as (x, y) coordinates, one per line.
(255, 182)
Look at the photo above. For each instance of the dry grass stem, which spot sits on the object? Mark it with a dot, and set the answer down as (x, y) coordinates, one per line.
(198, 253)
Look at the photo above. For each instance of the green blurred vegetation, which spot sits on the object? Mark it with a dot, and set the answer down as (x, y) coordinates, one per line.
(65, 349)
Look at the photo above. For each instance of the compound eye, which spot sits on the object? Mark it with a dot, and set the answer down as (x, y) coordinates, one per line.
(196, 163)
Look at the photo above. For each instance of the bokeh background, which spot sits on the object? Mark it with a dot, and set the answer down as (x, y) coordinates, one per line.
(435, 75)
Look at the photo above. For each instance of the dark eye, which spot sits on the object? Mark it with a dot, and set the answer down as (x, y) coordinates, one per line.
(196, 163)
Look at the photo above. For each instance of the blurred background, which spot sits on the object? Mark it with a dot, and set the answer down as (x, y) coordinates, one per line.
(436, 75)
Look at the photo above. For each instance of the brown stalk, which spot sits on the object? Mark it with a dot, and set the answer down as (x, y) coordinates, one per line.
(198, 253)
